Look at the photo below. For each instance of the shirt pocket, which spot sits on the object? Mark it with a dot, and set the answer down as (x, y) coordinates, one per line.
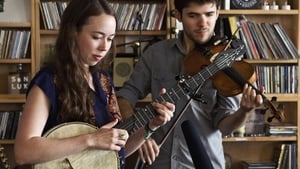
(164, 79)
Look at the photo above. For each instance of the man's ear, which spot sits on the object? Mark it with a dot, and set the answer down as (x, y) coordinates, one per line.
(177, 15)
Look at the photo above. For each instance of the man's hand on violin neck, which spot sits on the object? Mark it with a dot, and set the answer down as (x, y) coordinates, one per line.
(250, 99)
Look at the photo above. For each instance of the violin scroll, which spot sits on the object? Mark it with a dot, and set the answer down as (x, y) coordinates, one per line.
(277, 112)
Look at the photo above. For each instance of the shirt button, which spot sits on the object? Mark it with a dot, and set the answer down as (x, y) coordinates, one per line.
(175, 157)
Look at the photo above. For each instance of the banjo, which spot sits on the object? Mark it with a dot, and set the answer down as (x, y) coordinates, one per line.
(93, 158)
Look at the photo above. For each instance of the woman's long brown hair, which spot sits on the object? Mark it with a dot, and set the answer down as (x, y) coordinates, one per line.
(73, 89)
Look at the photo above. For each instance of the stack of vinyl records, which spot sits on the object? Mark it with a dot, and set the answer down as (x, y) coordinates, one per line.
(278, 129)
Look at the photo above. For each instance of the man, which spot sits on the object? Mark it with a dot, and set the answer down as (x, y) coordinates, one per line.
(159, 66)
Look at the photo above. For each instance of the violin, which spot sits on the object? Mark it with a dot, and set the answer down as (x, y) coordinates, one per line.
(229, 81)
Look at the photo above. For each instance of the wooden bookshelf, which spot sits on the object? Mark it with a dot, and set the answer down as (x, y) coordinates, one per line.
(261, 148)
(16, 19)
(243, 148)
(17, 15)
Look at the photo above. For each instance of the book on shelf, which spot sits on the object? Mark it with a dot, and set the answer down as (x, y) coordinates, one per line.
(9, 123)
(151, 14)
(55, 18)
(249, 38)
(139, 16)
(277, 42)
(281, 129)
(122, 14)
(51, 13)
(7, 44)
(268, 51)
(262, 40)
(269, 40)
(14, 44)
(24, 45)
(160, 16)
(127, 18)
(2, 36)
(285, 156)
(233, 25)
(290, 46)
(277, 79)
(46, 15)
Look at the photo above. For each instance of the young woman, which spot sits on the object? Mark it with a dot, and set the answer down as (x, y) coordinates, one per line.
(73, 88)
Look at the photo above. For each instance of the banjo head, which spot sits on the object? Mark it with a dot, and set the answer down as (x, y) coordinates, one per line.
(92, 158)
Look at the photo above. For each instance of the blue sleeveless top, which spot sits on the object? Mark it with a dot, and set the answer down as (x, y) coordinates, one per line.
(44, 79)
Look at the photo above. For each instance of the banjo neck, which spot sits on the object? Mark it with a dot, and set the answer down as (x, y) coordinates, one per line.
(184, 87)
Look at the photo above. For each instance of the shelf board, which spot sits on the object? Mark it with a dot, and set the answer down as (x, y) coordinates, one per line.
(272, 61)
(148, 33)
(129, 33)
(14, 61)
(15, 24)
(287, 97)
(260, 138)
(5, 141)
(48, 32)
(258, 12)
(12, 98)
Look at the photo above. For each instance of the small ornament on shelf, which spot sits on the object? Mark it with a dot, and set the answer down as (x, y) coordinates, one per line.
(227, 5)
(286, 6)
(18, 81)
(274, 6)
(265, 6)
